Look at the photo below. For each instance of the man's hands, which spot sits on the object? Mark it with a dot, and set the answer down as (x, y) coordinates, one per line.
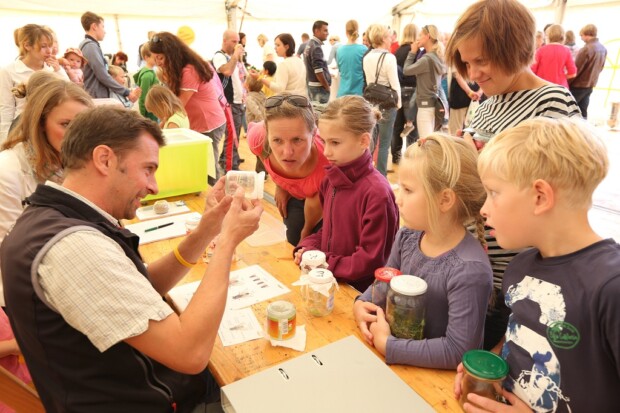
(241, 220)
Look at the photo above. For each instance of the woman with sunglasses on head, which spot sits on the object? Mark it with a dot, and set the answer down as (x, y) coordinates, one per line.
(193, 80)
(31, 154)
(288, 144)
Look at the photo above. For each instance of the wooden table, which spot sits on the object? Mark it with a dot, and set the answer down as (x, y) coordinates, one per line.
(229, 364)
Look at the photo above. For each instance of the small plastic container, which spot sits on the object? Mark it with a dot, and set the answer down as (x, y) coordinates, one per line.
(406, 307)
(320, 291)
(312, 259)
(253, 183)
(483, 375)
(191, 223)
(380, 286)
(281, 320)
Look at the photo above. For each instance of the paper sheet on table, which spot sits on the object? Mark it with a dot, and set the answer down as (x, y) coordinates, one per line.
(297, 342)
(252, 285)
(239, 326)
(177, 229)
(249, 285)
(148, 212)
(270, 231)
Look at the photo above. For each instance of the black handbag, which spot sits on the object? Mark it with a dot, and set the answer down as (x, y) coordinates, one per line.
(440, 106)
(383, 96)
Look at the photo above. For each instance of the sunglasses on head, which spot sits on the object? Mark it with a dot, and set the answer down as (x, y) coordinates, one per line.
(156, 39)
(295, 100)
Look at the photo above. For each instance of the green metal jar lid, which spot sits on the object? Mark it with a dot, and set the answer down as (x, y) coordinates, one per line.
(485, 365)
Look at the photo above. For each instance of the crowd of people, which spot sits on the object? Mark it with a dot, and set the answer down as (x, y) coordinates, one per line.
(492, 216)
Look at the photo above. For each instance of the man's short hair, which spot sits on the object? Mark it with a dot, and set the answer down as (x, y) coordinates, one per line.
(117, 128)
(497, 23)
(567, 153)
(318, 24)
(589, 30)
(88, 19)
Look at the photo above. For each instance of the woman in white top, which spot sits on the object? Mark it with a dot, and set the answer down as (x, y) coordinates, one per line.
(35, 45)
(31, 154)
(380, 39)
(290, 76)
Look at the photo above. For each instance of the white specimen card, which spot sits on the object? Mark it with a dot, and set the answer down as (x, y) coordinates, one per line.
(162, 228)
(239, 326)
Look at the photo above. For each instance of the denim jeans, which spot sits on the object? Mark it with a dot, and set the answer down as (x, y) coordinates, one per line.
(582, 97)
(295, 220)
(386, 129)
(318, 94)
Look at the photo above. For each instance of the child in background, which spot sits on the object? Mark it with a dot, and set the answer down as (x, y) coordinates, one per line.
(120, 76)
(440, 195)
(562, 340)
(9, 356)
(268, 72)
(167, 107)
(360, 217)
(73, 63)
(145, 79)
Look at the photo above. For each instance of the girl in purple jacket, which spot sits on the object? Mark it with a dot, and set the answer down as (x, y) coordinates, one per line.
(360, 217)
(440, 194)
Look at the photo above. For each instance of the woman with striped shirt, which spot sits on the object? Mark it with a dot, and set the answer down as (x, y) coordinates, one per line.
(493, 45)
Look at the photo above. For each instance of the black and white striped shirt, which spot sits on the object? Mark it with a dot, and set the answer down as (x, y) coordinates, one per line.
(502, 112)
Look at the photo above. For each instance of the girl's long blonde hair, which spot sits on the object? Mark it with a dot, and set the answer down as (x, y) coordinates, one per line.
(444, 162)
(161, 102)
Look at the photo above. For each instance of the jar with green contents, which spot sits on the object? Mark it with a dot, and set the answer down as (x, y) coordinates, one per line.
(320, 292)
(406, 307)
(380, 286)
(483, 375)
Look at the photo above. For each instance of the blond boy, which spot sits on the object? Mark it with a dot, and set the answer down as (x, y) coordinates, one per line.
(563, 338)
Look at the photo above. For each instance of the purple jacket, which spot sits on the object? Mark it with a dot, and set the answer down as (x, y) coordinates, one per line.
(360, 221)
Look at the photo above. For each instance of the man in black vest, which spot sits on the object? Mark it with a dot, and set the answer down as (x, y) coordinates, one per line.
(87, 313)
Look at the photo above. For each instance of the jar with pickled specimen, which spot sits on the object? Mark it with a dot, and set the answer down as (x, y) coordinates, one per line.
(320, 291)
(281, 320)
(483, 374)
(252, 183)
(406, 307)
(381, 284)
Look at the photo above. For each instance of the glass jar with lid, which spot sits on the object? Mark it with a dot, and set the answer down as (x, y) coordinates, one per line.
(312, 259)
(406, 307)
(483, 374)
(381, 284)
(281, 320)
(320, 291)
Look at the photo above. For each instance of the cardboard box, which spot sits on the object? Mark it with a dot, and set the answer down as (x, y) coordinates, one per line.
(344, 376)
(184, 163)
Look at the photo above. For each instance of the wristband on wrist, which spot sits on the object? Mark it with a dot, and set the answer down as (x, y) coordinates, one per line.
(180, 259)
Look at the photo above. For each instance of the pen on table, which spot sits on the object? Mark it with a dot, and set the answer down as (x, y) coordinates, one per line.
(158, 227)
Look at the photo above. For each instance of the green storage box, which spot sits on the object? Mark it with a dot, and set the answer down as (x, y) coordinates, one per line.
(184, 163)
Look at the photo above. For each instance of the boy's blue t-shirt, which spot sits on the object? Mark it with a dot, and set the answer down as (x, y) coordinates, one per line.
(563, 336)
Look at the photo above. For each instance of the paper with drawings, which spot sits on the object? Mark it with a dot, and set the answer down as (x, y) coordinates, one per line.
(247, 287)
(252, 285)
(239, 326)
(177, 229)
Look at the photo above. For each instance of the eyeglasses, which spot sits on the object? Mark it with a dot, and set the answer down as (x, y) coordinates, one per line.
(295, 100)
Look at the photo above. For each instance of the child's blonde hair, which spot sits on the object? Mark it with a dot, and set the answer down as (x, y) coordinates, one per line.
(253, 85)
(355, 113)
(114, 70)
(444, 162)
(566, 153)
(161, 102)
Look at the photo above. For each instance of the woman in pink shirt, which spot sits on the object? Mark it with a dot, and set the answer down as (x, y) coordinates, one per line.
(554, 61)
(289, 146)
(193, 80)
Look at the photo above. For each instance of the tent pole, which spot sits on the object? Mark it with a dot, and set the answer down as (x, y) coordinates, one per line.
(118, 33)
(243, 15)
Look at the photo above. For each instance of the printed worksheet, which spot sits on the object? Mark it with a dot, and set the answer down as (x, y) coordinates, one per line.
(252, 285)
(247, 287)
(239, 326)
